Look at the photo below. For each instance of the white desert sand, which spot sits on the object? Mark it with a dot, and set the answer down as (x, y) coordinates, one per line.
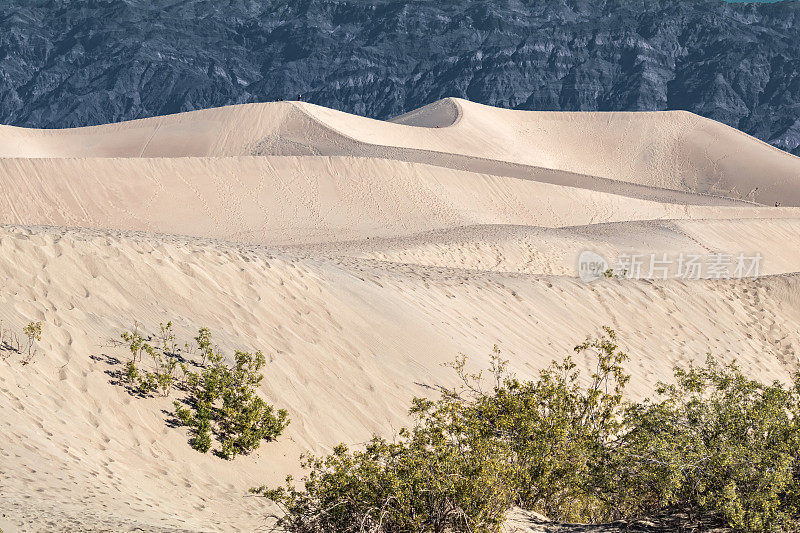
(359, 255)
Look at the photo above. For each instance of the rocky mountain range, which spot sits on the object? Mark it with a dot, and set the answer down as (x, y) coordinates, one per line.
(67, 63)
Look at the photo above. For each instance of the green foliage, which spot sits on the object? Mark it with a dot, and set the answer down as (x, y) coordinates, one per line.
(206, 347)
(33, 331)
(555, 429)
(135, 342)
(718, 442)
(713, 443)
(611, 273)
(221, 401)
(435, 477)
(131, 373)
(165, 362)
(10, 341)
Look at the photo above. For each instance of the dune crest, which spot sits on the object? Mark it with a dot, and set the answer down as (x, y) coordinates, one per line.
(672, 150)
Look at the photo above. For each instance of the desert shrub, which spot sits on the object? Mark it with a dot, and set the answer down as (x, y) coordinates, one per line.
(135, 341)
(165, 361)
(714, 443)
(33, 331)
(220, 400)
(10, 341)
(205, 346)
(131, 373)
(434, 477)
(556, 430)
(471, 455)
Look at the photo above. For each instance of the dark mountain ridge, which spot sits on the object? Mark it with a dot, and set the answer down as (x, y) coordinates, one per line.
(75, 63)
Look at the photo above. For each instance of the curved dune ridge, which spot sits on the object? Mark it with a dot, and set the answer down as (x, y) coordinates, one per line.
(672, 150)
(359, 255)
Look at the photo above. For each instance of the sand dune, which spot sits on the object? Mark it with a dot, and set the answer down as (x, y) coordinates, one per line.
(359, 255)
(668, 150)
(290, 200)
(376, 334)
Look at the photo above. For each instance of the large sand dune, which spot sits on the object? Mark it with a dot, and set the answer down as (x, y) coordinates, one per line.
(672, 150)
(359, 255)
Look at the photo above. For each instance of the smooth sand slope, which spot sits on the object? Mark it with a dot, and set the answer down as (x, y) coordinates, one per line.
(672, 150)
(359, 256)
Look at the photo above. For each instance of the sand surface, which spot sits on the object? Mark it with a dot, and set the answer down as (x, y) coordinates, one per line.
(359, 255)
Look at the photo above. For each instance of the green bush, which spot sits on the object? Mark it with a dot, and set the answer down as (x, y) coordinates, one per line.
(220, 402)
(33, 331)
(432, 478)
(713, 444)
(10, 343)
(717, 442)
(556, 430)
(165, 362)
